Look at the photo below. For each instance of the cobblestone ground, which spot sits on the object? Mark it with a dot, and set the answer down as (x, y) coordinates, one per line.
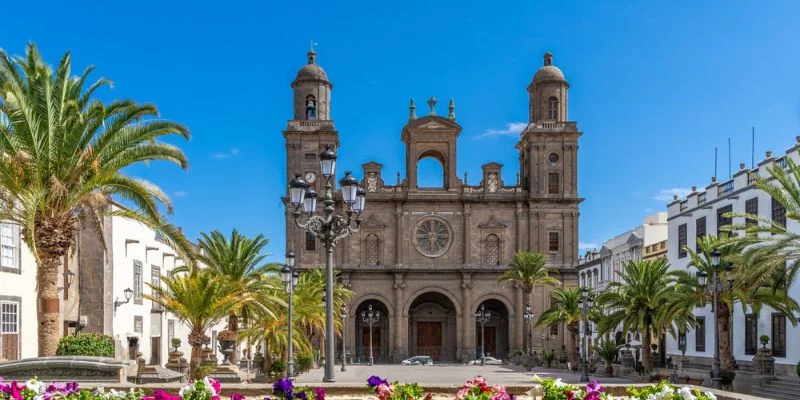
(445, 375)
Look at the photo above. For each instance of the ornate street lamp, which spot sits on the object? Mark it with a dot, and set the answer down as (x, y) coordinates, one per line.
(290, 279)
(528, 316)
(128, 294)
(483, 316)
(584, 303)
(329, 228)
(370, 317)
(714, 287)
(343, 314)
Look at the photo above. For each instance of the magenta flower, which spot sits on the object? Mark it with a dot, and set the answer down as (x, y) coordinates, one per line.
(160, 394)
(215, 384)
(319, 393)
(236, 396)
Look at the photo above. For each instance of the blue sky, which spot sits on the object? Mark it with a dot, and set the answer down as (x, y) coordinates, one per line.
(655, 87)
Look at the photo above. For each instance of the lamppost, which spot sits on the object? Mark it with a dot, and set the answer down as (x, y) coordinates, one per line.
(584, 303)
(528, 316)
(329, 228)
(370, 317)
(289, 278)
(482, 316)
(714, 288)
(343, 314)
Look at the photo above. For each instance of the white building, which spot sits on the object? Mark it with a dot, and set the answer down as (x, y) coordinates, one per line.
(131, 257)
(701, 213)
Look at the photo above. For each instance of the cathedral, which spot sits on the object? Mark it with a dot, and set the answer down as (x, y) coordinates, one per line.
(429, 258)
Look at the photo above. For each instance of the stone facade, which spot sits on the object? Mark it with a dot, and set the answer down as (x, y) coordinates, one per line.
(428, 258)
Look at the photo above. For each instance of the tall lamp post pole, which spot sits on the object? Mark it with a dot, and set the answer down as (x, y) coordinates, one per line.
(528, 316)
(343, 314)
(370, 317)
(584, 303)
(482, 316)
(289, 278)
(714, 288)
(329, 228)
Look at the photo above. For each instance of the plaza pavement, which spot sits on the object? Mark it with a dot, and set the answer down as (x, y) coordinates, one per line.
(444, 375)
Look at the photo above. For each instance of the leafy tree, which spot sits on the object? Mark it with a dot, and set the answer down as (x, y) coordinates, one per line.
(565, 309)
(62, 156)
(647, 299)
(607, 349)
(199, 299)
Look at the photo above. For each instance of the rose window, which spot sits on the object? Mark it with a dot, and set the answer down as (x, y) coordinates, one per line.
(433, 237)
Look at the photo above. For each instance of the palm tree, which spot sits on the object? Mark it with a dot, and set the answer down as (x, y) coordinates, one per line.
(735, 287)
(607, 349)
(646, 300)
(564, 309)
(63, 152)
(199, 299)
(238, 260)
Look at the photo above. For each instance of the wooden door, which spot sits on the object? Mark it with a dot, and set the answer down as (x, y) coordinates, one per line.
(376, 343)
(155, 350)
(491, 341)
(429, 340)
(9, 346)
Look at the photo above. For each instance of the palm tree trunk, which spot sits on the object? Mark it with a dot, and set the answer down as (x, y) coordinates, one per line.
(723, 325)
(573, 334)
(196, 341)
(646, 356)
(49, 305)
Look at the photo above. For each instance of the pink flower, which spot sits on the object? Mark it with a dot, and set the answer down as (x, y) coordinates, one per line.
(462, 393)
(236, 396)
(570, 395)
(384, 391)
(215, 384)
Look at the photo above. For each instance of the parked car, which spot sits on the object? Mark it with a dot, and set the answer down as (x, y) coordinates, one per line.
(487, 361)
(418, 360)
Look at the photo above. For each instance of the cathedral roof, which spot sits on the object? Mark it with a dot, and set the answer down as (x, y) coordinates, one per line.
(548, 72)
(312, 70)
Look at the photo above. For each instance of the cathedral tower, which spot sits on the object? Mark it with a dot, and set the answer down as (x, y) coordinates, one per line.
(307, 135)
(548, 154)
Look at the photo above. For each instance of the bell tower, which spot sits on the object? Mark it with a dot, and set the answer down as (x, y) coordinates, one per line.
(432, 136)
(548, 155)
(307, 134)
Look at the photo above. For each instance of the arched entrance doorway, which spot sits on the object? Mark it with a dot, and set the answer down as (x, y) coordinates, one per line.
(380, 333)
(495, 333)
(432, 320)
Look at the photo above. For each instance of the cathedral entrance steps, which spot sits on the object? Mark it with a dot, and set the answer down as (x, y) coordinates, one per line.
(782, 388)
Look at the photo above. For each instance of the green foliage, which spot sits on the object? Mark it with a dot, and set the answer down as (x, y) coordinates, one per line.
(277, 368)
(554, 389)
(198, 391)
(406, 391)
(666, 391)
(528, 269)
(303, 363)
(86, 344)
(727, 377)
(202, 371)
(548, 357)
(764, 339)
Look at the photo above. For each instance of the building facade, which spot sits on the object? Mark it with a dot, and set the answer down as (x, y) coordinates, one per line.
(428, 258)
(126, 255)
(702, 213)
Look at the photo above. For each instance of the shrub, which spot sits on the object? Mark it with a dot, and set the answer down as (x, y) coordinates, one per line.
(304, 363)
(548, 357)
(277, 368)
(727, 376)
(86, 344)
(764, 339)
(203, 371)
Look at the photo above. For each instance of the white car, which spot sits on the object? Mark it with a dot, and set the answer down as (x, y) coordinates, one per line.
(487, 361)
(417, 360)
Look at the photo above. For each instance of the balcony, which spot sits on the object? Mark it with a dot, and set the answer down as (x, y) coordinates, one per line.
(554, 125)
(310, 125)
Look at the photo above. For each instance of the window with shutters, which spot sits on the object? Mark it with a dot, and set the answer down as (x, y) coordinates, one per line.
(138, 324)
(778, 213)
(9, 330)
(170, 331)
(722, 219)
(554, 242)
(751, 207)
(552, 108)
(9, 248)
(750, 334)
(553, 330)
(778, 335)
(492, 250)
(681, 240)
(700, 231)
(155, 281)
(700, 334)
(311, 242)
(138, 282)
(372, 250)
(553, 183)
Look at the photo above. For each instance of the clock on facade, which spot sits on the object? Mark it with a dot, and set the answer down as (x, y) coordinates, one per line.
(310, 177)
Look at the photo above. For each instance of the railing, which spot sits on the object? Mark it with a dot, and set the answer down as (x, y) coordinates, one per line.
(554, 124)
(725, 188)
(684, 206)
(309, 125)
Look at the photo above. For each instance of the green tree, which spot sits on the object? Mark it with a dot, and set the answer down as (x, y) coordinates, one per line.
(199, 299)
(607, 349)
(647, 299)
(63, 152)
(564, 309)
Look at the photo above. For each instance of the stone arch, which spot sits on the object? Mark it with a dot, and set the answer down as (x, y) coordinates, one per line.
(493, 296)
(371, 296)
(494, 336)
(383, 330)
(433, 324)
(431, 170)
(435, 289)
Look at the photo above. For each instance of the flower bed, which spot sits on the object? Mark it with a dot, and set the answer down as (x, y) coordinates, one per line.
(284, 389)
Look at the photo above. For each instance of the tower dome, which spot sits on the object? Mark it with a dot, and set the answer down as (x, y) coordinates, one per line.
(549, 72)
(311, 70)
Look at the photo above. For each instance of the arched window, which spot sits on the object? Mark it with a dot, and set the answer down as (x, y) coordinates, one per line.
(492, 250)
(311, 108)
(372, 250)
(430, 171)
(552, 108)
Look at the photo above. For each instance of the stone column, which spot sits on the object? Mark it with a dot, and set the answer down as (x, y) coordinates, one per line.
(398, 239)
(466, 242)
(518, 340)
(520, 213)
(400, 351)
(467, 320)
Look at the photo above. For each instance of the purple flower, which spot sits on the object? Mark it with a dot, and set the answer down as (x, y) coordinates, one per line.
(319, 393)
(594, 386)
(283, 386)
(302, 396)
(236, 396)
(375, 381)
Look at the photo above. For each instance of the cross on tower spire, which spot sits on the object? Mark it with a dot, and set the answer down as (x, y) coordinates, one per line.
(432, 105)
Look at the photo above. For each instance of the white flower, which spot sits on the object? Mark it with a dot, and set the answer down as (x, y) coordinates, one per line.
(686, 393)
(711, 395)
(558, 383)
(36, 386)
